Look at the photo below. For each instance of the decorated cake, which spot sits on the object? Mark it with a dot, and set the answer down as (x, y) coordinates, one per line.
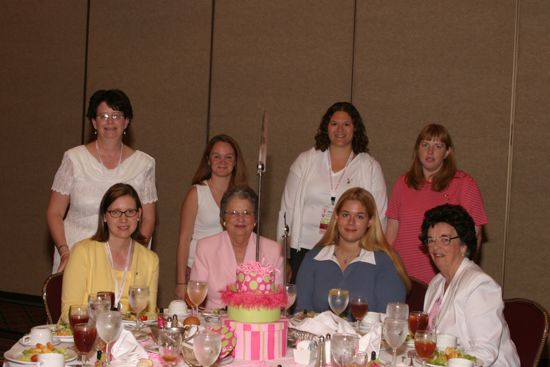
(254, 304)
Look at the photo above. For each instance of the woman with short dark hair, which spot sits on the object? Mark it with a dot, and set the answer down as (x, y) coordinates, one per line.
(461, 299)
(87, 171)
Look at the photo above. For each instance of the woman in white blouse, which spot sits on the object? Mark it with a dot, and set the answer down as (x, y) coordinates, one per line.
(319, 176)
(461, 299)
(87, 171)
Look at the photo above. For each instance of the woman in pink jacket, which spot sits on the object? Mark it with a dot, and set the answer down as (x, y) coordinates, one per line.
(218, 256)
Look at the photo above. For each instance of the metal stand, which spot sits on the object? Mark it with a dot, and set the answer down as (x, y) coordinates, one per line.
(260, 171)
(286, 249)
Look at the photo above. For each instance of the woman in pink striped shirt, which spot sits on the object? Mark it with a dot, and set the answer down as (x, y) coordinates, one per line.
(432, 180)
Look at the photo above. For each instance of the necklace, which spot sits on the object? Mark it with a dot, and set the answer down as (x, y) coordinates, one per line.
(216, 193)
(332, 188)
(346, 259)
(118, 290)
(99, 155)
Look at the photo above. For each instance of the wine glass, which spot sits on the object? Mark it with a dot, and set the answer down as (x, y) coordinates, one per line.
(397, 310)
(138, 297)
(96, 305)
(110, 296)
(424, 344)
(290, 290)
(338, 300)
(418, 320)
(109, 326)
(169, 341)
(197, 292)
(359, 309)
(343, 348)
(84, 339)
(207, 347)
(78, 314)
(395, 332)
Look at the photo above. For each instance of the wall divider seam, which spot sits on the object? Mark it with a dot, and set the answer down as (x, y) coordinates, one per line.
(353, 38)
(509, 171)
(210, 70)
(85, 72)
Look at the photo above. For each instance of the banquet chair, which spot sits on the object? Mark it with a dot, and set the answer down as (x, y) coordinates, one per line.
(528, 324)
(51, 294)
(415, 298)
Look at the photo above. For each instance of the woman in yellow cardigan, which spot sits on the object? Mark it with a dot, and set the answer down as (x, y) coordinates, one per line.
(114, 258)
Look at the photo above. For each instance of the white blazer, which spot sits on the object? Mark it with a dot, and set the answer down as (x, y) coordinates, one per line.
(471, 309)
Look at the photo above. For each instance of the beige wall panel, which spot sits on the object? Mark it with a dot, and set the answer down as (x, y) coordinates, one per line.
(289, 58)
(158, 52)
(42, 64)
(440, 61)
(527, 270)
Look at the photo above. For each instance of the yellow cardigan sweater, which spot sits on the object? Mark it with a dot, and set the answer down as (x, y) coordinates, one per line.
(89, 271)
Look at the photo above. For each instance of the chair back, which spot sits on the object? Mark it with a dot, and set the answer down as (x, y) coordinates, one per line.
(415, 298)
(528, 324)
(51, 294)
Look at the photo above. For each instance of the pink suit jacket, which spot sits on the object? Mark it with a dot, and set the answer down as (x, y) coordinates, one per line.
(215, 263)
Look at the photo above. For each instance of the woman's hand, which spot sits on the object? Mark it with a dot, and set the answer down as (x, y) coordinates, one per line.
(63, 262)
(181, 291)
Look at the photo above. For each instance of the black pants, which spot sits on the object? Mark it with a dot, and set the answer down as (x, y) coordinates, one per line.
(296, 258)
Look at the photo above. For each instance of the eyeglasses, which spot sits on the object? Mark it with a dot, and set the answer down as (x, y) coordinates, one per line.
(235, 213)
(129, 213)
(444, 240)
(115, 116)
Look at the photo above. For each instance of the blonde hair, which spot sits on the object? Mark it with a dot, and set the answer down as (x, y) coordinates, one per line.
(373, 239)
(441, 180)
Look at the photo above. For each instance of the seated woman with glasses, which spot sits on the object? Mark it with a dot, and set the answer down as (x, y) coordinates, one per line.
(217, 257)
(87, 171)
(461, 299)
(353, 254)
(114, 259)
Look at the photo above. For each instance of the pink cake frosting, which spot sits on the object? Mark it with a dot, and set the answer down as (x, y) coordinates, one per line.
(255, 288)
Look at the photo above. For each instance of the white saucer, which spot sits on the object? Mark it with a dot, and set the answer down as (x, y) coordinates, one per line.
(55, 341)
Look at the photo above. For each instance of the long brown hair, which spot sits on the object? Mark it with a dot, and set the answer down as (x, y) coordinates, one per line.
(414, 178)
(238, 175)
(373, 239)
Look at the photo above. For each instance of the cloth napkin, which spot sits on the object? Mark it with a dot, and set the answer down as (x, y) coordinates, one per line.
(126, 351)
(328, 323)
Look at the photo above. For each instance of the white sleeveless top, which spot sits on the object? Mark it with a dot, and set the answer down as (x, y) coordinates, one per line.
(82, 177)
(207, 222)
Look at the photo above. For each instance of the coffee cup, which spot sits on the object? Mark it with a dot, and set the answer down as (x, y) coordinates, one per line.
(460, 362)
(177, 307)
(38, 334)
(445, 341)
(51, 360)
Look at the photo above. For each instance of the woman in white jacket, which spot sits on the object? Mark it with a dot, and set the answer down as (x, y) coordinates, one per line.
(339, 161)
(461, 299)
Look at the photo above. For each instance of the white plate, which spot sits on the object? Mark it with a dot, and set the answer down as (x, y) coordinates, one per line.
(55, 341)
(418, 362)
(16, 356)
(66, 338)
(133, 322)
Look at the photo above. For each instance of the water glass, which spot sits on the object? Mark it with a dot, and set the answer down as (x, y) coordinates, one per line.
(395, 332)
(290, 291)
(343, 348)
(207, 347)
(338, 300)
(197, 292)
(397, 310)
(138, 297)
(109, 326)
(169, 342)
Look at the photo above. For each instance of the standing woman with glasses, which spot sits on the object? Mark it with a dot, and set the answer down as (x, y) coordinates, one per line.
(432, 180)
(114, 259)
(87, 171)
(221, 167)
(218, 256)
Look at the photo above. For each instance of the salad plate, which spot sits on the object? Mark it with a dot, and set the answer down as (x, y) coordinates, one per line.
(18, 356)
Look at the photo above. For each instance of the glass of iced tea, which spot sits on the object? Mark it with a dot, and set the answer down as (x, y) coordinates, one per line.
(78, 314)
(359, 309)
(424, 343)
(418, 320)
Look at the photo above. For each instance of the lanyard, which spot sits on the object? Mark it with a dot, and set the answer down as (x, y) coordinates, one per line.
(118, 290)
(334, 189)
